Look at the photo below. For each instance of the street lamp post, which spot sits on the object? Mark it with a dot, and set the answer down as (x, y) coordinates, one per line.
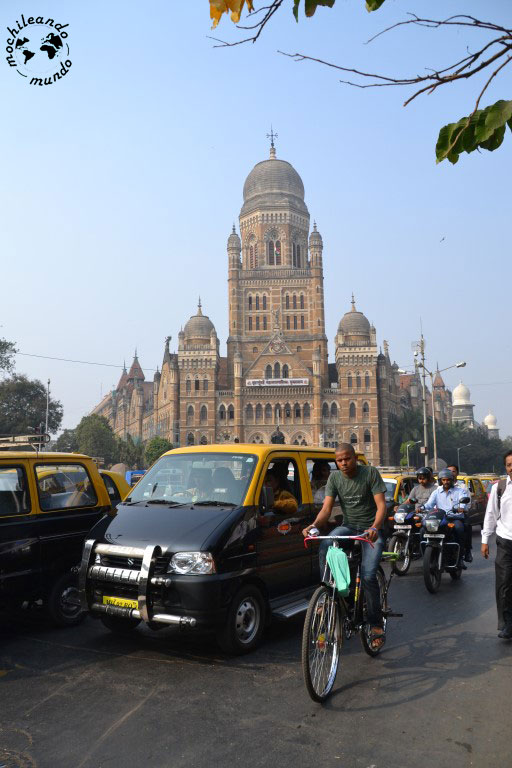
(458, 453)
(408, 445)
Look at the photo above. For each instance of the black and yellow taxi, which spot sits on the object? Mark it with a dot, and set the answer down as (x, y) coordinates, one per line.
(478, 498)
(211, 538)
(48, 502)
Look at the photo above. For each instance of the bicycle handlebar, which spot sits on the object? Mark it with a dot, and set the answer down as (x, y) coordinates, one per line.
(353, 538)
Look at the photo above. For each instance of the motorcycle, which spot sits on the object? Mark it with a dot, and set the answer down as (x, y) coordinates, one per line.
(441, 552)
(405, 538)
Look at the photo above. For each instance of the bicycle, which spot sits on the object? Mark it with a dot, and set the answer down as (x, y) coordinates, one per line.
(330, 615)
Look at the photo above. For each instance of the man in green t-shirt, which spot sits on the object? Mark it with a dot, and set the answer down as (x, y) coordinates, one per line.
(360, 490)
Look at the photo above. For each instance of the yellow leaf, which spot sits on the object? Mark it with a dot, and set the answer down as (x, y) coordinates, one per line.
(219, 7)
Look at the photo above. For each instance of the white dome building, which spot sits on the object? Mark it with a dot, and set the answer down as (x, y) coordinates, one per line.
(491, 423)
(462, 407)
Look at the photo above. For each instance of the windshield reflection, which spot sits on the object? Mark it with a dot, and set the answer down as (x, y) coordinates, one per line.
(188, 478)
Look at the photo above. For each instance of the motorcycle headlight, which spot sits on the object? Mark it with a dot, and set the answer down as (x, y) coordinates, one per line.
(432, 525)
(399, 517)
(192, 563)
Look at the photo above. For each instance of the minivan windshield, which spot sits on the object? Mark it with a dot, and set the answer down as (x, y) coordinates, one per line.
(184, 478)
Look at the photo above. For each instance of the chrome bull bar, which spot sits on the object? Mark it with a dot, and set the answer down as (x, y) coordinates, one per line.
(90, 571)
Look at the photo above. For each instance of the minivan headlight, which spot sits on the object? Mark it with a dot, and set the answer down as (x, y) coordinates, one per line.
(432, 525)
(193, 563)
(399, 517)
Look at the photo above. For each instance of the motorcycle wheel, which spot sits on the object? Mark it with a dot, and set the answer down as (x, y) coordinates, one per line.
(431, 573)
(400, 546)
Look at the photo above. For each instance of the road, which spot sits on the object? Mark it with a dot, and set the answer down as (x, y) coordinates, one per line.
(438, 696)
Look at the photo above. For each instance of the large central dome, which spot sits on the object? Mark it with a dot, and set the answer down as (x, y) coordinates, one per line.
(273, 182)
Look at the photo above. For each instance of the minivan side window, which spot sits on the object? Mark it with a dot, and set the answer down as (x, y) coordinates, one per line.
(282, 476)
(62, 486)
(14, 493)
(115, 496)
(318, 471)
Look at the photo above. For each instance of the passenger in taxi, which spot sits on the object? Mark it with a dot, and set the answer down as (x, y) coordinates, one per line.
(285, 502)
(319, 477)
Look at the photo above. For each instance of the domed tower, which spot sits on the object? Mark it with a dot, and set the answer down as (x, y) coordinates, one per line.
(198, 364)
(462, 407)
(491, 423)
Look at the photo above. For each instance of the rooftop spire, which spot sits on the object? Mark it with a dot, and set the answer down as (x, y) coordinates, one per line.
(272, 136)
(353, 302)
(135, 355)
(234, 230)
(314, 226)
(199, 310)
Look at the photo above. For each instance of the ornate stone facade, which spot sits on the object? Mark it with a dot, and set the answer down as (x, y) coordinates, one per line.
(276, 371)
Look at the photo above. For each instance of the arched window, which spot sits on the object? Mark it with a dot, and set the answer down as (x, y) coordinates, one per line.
(257, 323)
(259, 412)
(257, 302)
(222, 413)
(285, 373)
(270, 251)
(190, 415)
(287, 322)
(268, 412)
(306, 411)
(297, 259)
(294, 255)
(287, 301)
(367, 381)
(190, 439)
(366, 411)
(205, 385)
(277, 371)
(188, 385)
(278, 251)
(358, 380)
(265, 323)
(349, 381)
(334, 411)
(268, 372)
(325, 411)
(296, 411)
(204, 440)
(250, 302)
(302, 322)
(264, 302)
(367, 436)
(197, 385)
(203, 414)
(353, 438)
(277, 412)
(287, 411)
(231, 413)
(250, 323)
(352, 411)
(249, 413)
(294, 301)
(302, 301)
(295, 322)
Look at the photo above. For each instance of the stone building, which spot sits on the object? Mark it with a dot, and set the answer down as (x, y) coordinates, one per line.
(276, 372)
(462, 407)
(491, 423)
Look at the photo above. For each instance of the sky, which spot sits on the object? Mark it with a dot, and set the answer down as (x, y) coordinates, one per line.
(120, 183)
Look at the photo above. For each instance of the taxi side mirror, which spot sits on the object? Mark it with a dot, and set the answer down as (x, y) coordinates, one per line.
(266, 499)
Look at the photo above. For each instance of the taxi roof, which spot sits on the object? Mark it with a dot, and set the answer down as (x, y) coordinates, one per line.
(41, 455)
(259, 449)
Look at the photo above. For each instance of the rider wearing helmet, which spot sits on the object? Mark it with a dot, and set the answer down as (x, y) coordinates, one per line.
(421, 492)
(448, 498)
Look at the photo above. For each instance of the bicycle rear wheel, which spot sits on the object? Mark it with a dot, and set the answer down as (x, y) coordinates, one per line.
(321, 643)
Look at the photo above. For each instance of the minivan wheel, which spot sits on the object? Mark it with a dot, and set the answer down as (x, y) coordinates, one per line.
(244, 623)
(63, 602)
(119, 624)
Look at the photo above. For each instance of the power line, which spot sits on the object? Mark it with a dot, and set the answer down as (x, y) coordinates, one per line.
(82, 362)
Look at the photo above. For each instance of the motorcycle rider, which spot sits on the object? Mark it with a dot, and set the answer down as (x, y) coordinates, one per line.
(448, 498)
(468, 529)
(422, 491)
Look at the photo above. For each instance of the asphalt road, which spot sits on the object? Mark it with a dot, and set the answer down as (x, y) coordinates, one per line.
(438, 696)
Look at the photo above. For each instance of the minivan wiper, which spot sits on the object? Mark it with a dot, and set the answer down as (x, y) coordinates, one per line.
(165, 501)
(214, 504)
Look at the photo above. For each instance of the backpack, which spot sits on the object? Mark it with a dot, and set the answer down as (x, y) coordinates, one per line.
(502, 484)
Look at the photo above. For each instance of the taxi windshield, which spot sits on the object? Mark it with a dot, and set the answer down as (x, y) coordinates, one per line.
(198, 478)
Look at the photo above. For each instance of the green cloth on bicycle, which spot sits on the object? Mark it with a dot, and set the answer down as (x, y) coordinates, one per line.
(338, 563)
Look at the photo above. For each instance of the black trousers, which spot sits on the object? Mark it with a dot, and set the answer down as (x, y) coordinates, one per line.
(468, 535)
(503, 566)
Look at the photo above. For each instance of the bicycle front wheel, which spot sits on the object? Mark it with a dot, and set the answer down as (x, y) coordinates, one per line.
(321, 643)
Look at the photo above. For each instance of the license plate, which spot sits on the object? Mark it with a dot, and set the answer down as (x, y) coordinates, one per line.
(121, 602)
(402, 527)
(434, 535)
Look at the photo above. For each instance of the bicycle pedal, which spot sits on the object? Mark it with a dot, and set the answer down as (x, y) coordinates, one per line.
(392, 615)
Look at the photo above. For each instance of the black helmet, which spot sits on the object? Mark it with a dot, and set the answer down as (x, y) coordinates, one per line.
(446, 473)
(424, 471)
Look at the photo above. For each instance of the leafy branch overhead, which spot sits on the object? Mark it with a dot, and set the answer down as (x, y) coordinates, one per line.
(481, 129)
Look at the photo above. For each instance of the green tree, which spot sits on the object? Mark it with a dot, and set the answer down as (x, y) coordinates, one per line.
(66, 441)
(130, 452)
(95, 437)
(23, 406)
(155, 448)
(481, 129)
(7, 352)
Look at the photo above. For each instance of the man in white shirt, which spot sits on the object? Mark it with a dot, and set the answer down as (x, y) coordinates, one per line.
(498, 517)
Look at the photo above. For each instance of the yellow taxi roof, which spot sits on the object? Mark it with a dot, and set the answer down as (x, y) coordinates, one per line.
(41, 455)
(259, 449)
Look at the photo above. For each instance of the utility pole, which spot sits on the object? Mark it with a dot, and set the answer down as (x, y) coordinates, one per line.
(424, 395)
(47, 406)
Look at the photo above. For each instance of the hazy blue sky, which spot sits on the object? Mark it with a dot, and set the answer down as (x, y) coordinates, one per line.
(120, 184)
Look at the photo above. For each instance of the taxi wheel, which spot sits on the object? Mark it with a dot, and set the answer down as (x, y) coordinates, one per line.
(63, 602)
(118, 624)
(245, 622)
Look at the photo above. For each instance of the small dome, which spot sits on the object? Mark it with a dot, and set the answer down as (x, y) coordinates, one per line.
(354, 323)
(234, 240)
(461, 395)
(491, 421)
(315, 237)
(271, 182)
(199, 327)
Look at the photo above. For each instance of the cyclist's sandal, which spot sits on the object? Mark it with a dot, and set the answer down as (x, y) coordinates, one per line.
(377, 638)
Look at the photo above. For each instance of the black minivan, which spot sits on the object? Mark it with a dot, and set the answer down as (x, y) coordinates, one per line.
(211, 537)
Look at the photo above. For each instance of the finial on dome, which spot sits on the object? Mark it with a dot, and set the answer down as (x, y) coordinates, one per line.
(199, 310)
(353, 302)
(234, 230)
(314, 226)
(135, 355)
(272, 136)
